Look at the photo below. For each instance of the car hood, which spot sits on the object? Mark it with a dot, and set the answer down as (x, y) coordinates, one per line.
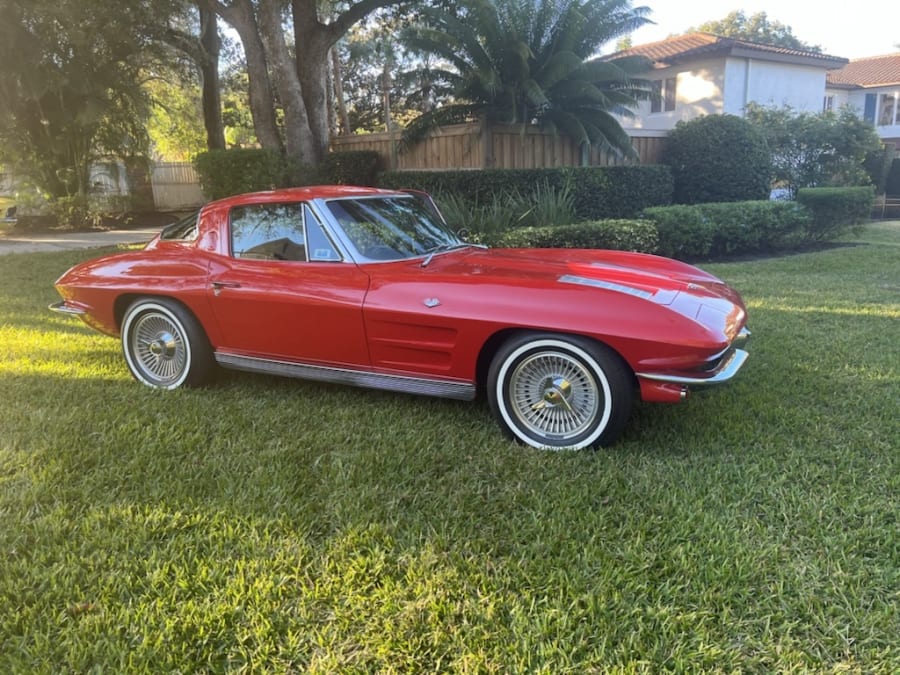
(682, 288)
(652, 277)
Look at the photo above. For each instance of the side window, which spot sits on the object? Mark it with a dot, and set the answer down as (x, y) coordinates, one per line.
(268, 232)
(320, 247)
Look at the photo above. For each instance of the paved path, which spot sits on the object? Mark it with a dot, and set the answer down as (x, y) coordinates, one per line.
(66, 241)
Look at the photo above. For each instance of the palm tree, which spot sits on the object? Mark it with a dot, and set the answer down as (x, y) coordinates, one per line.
(535, 62)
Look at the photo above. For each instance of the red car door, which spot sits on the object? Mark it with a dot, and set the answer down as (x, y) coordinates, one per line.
(285, 293)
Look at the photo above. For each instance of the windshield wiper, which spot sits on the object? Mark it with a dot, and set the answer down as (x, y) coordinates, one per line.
(441, 248)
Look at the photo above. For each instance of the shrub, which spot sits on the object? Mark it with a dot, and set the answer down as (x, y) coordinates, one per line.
(231, 172)
(836, 210)
(691, 232)
(623, 235)
(619, 191)
(483, 221)
(718, 158)
(597, 192)
(683, 231)
(357, 167)
(543, 206)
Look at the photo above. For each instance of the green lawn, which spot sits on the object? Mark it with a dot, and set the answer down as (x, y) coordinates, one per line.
(267, 525)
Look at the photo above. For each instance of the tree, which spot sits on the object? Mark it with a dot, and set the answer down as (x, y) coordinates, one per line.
(378, 69)
(295, 81)
(534, 63)
(815, 150)
(756, 28)
(70, 86)
(718, 158)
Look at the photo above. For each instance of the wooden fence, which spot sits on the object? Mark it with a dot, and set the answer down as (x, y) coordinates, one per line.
(478, 146)
(175, 186)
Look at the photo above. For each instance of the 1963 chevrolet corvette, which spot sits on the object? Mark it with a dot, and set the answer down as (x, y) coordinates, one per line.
(370, 287)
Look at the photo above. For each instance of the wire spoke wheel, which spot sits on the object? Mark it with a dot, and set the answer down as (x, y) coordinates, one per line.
(554, 395)
(559, 392)
(164, 345)
(159, 348)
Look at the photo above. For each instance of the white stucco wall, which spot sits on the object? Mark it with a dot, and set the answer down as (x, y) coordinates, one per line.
(772, 84)
(698, 92)
(726, 85)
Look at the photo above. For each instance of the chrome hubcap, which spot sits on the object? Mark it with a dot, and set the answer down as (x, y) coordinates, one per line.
(159, 348)
(553, 395)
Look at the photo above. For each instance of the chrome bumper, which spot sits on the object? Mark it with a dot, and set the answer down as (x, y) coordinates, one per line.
(729, 365)
(62, 308)
(725, 371)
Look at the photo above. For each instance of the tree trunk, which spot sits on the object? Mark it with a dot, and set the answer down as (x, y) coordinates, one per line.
(240, 16)
(302, 83)
(209, 75)
(313, 41)
(343, 117)
(299, 142)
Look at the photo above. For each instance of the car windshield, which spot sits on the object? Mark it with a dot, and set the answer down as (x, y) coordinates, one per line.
(392, 228)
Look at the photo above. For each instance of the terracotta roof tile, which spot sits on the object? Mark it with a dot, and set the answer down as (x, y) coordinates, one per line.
(873, 71)
(694, 45)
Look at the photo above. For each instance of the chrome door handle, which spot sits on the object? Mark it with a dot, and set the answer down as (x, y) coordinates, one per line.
(217, 286)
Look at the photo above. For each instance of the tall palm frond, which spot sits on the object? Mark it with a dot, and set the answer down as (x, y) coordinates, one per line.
(536, 62)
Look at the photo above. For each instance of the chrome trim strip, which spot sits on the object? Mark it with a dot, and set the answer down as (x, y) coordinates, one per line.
(62, 308)
(726, 370)
(462, 391)
(606, 285)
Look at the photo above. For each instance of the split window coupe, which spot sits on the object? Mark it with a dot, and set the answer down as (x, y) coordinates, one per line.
(370, 287)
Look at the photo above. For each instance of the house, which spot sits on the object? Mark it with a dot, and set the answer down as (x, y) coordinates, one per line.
(872, 86)
(704, 74)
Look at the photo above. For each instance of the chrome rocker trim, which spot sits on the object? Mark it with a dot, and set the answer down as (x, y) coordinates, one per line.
(723, 373)
(62, 308)
(462, 391)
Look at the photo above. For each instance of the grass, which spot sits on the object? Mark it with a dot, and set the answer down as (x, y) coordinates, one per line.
(267, 525)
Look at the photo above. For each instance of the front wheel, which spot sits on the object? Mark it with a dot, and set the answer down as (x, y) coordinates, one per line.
(165, 347)
(560, 392)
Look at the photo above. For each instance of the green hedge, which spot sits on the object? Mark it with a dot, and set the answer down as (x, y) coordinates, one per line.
(623, 235)
(727, 229)
(353, 167)
(599, 192)
(231, 172)
(718, 158)
(836, 210)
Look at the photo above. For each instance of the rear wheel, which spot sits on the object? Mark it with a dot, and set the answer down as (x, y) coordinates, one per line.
(560, 392)
(165, 346)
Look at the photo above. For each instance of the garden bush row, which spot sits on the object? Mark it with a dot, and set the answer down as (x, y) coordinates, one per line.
(619, 234)
(706, 231)
(534, 207)
(597, 192)
(721, 230)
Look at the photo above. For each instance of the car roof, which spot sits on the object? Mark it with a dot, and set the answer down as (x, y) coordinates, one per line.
(300, 194)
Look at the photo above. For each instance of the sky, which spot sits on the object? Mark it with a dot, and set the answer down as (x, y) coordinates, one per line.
(851, 29)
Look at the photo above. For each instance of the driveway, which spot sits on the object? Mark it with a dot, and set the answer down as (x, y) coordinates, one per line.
(67, 241)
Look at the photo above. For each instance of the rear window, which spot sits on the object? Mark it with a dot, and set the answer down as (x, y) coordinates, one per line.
(184, 229)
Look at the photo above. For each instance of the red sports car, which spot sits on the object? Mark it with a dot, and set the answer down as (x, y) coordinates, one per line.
(371, 288)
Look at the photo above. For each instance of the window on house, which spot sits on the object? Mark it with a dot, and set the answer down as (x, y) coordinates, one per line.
(828, 103)
(886, 113)
(663, 95)
(669, 91)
